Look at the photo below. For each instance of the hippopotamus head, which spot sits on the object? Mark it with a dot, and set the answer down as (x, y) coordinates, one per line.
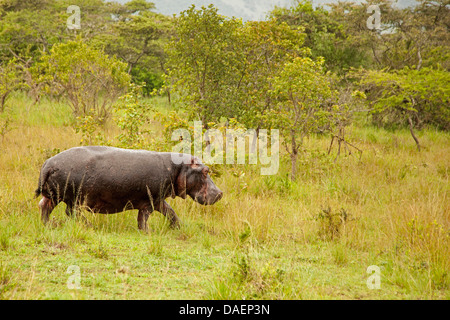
(194, 180)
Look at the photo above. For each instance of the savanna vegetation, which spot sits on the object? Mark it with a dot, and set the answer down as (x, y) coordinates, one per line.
(363, 116)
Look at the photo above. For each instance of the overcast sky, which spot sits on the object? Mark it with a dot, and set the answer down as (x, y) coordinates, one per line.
(246, 9)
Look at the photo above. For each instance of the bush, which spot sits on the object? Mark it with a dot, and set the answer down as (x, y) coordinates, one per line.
(153, 81)
(89, 79)
(131, 115)
(10, 80)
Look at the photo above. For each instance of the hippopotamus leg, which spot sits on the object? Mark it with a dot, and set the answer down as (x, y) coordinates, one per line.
(164, 208)
(46, 205)
(168, 212)
(142, 218)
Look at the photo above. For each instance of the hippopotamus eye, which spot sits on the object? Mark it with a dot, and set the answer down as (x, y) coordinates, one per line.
(205, 171)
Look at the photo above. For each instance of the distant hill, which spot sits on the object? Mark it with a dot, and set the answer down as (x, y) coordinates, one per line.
(245, 9)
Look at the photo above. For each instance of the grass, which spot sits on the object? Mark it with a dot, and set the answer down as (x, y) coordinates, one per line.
(268, 238)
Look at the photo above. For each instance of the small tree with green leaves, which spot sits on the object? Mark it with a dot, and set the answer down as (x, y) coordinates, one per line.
(90, 80)
(304, 95)
(131, 114)
(264, 47)
(202, 61)
(10, 80)
(409, 96)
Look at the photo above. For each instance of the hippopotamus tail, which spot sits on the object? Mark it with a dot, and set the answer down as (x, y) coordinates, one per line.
(37, 192)
(42, 180)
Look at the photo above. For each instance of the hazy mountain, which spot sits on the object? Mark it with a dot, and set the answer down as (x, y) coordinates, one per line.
(245, 9)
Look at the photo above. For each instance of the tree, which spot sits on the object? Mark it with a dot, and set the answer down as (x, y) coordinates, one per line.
(130, 31)
(130, 116)
(29, 28)
(89, 79)
(264, 47)
(326, 36)
(425, 29)
(414, 37)
(10, 80)
(410, 96)
(137, 37)
(202, 62)
(222, 68)
(304, 96)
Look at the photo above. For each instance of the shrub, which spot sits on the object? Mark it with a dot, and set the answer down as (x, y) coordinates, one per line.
(89, 79)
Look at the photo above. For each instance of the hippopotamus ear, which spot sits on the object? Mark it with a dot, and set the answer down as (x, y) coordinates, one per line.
(194, 166)
(195, 163)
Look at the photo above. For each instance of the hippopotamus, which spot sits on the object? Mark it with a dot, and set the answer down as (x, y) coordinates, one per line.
(111, 180)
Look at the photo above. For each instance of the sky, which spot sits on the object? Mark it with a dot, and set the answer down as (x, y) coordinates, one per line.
(245, 9)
